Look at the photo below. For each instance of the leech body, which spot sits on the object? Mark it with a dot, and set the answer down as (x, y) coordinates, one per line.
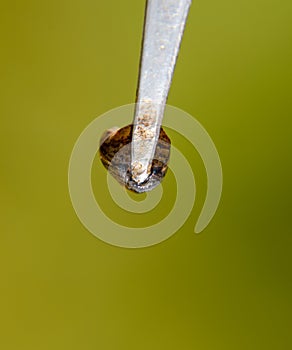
(165, 22)
(115, 152)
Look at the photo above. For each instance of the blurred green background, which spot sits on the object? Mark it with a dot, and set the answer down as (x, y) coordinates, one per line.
(65, 62)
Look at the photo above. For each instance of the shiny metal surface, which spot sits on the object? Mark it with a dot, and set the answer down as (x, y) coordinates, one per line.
(164, 26)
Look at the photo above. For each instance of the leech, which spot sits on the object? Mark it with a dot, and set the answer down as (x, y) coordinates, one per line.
(164, 26)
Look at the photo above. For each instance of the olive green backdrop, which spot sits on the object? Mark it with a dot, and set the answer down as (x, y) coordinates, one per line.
(65, 62)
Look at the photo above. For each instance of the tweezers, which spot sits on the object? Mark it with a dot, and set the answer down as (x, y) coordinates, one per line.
(163, 29)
